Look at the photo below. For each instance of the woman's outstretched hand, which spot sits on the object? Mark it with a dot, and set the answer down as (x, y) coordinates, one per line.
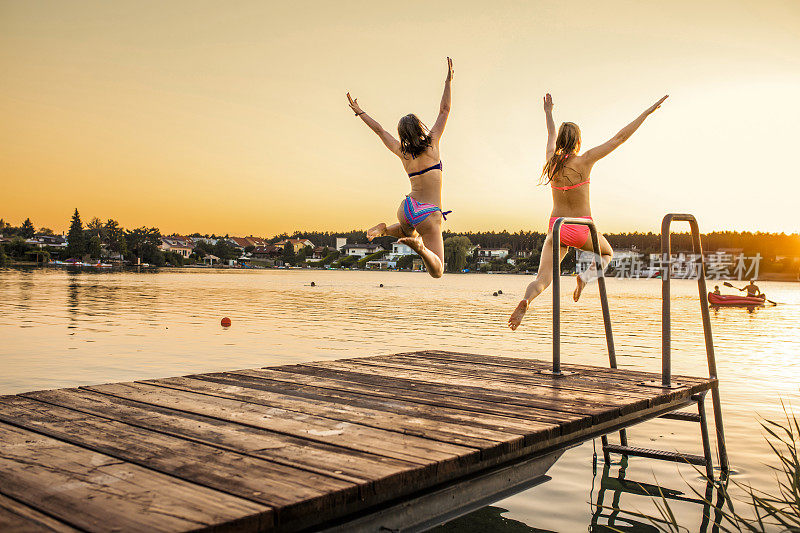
(450, 70)
(353, 103)
(656, 105)
(548, 103)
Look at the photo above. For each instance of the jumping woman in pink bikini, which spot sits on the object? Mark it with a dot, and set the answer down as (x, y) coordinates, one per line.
(420, 214)
(567, 172)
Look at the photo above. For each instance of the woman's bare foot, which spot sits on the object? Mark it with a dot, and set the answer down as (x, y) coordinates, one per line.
(415, 243)
(518, 314)
(579, 289)
(376, 231)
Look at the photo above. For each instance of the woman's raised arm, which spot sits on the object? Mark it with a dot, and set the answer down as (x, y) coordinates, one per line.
(391, 143)
(599, 152)
(551, 126)
(444, 106)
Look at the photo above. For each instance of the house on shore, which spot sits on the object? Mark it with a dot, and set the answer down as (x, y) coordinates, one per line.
(487, 255)
(55, 241)
(297, 244)
(247, 242)
(361, 250)
(270, 251)
(183, 246)
(321, 252)
(389, 261)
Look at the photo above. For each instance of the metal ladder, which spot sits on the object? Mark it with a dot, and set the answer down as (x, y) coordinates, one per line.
(666, 361)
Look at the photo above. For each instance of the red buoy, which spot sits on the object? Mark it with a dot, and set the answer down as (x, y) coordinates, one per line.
(226, 322)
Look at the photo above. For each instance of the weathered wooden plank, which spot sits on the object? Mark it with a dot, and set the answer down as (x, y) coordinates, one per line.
(94, 492)
(346, 464)
(395, 406)
(476, 437)
(601, 391)
(547, 398)
(556, 402)
(291, 492)
(622, 374)
(354, 436)
(607, 383)
(16, 517)
(389, 389)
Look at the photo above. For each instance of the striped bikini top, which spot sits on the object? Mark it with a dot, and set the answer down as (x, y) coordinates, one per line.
(437, 166)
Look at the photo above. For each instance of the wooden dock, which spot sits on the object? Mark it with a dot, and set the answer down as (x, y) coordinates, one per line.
(347, 445)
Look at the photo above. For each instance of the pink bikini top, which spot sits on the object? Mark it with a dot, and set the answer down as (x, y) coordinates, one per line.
(568, 187)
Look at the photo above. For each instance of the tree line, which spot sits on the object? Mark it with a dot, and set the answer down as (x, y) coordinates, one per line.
(143, 243)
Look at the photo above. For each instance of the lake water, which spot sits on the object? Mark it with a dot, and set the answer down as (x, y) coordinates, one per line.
(62, 328)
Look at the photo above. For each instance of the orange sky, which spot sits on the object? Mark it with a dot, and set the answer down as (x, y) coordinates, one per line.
(231, 117)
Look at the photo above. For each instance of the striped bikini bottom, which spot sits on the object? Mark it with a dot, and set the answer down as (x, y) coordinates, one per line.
(416, 212)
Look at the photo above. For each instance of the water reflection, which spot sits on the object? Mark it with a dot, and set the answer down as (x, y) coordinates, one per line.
(487, 520)
(624, 517)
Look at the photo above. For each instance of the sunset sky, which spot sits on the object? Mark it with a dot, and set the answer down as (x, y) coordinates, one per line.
(230, 117)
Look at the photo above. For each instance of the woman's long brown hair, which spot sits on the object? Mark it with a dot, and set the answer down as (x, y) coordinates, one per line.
(414, 135)
(567, 142)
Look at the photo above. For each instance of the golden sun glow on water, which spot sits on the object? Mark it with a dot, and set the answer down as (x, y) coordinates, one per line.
(191, 117)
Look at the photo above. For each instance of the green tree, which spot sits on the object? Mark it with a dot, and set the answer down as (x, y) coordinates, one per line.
(456, 250)
(27, 231)
(288, 254)
(225, 250)
(94, 247)
(115, 237)
(95, 228)
(18, 248)
(46, 231)
(406, 262)
(143, 243)
(76, 247)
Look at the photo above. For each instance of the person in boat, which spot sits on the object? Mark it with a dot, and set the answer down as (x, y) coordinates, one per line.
(567, 171)
(716, 290)
(420, 214)
(752, 290)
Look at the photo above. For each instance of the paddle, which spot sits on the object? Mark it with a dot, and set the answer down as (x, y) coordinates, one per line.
(732, 287)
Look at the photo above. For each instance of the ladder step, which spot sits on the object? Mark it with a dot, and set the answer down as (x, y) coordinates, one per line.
(656, 454)
(682, 415)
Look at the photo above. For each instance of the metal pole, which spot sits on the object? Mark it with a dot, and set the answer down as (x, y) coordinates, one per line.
(666, 263)
(697, 246)
(601, 283)
(701, 407)
(557, 296)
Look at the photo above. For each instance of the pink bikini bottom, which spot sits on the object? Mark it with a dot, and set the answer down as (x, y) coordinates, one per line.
(574, 235)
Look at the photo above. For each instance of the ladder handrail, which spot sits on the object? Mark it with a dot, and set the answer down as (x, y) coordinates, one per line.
(666, 316)
(601, 281)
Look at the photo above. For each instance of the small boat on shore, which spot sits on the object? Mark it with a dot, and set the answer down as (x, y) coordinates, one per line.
(734, 300)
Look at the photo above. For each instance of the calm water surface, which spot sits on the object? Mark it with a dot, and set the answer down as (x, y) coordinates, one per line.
(61, 329)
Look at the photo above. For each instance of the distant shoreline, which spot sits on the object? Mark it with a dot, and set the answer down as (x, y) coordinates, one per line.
(768, 276)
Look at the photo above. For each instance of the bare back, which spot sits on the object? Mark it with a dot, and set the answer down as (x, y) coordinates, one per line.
(573, 202)
(425, 187)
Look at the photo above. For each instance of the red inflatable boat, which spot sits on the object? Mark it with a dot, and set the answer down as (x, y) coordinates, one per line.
(735, 300)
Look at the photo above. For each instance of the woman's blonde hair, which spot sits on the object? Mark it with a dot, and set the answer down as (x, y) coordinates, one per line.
(567, 143)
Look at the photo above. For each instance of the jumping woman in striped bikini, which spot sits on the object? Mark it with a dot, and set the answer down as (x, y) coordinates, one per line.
(567, 172)
(420, 214)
